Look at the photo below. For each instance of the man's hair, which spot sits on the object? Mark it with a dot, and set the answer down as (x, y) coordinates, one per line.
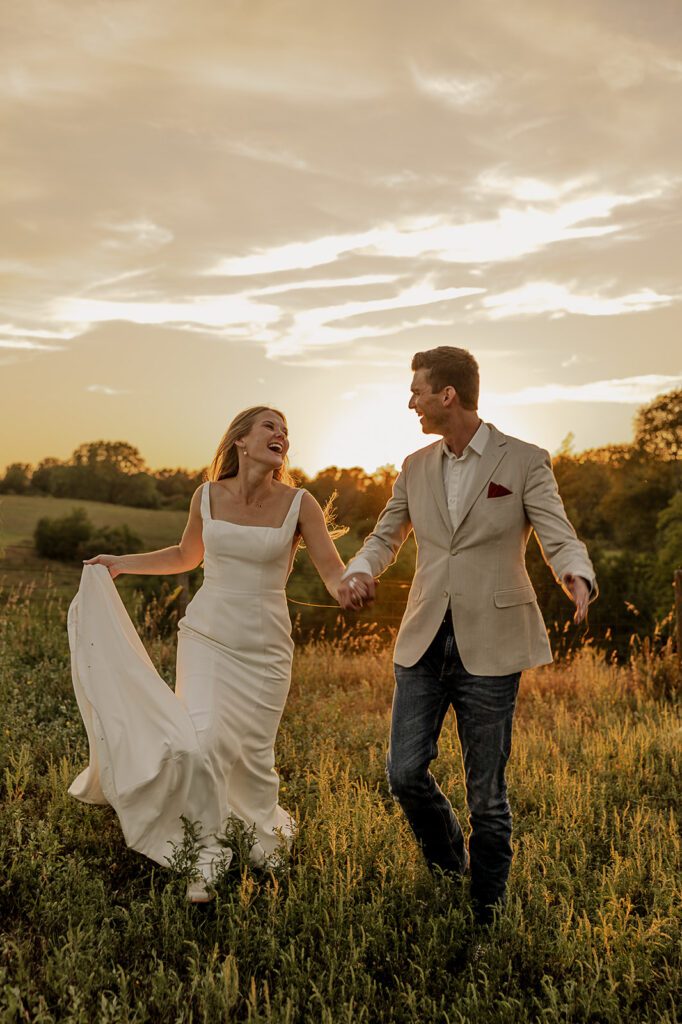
(451, 366)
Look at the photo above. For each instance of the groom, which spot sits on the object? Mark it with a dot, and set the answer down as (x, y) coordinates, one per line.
(472, 622)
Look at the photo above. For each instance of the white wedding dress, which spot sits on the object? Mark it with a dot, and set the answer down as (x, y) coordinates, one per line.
(205, 751)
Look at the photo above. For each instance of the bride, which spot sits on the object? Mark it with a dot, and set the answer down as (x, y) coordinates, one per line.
(205, 752)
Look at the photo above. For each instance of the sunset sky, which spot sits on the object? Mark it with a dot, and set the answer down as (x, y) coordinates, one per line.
(217, 204)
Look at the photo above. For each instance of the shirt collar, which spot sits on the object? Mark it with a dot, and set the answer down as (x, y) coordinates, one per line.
(476, 444)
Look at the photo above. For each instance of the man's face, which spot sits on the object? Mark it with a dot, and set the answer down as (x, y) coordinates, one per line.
(427, 405)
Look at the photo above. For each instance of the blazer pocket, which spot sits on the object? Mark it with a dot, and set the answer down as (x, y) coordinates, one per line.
(516, 595)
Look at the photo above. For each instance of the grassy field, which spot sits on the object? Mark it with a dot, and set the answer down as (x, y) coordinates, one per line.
(351, 928)
(19, 515)
(18, 518)
(310, 603)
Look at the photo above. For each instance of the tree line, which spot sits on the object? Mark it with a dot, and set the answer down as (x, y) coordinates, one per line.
(624, 500)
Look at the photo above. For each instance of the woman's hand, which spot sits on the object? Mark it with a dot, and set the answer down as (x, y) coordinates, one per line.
(356, 591)
(112, 562)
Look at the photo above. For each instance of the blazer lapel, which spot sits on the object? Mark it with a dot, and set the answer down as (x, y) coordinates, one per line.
(493, 453)
(434, 472)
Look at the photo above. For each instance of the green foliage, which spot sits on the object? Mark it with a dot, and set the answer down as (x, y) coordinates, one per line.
(16, 479)
(62, 538)
(111, 471)
(668, 553)
(73, 538)
(176, 486)
(111, 540)
(353, 927)
(615, 496)
(658, 427)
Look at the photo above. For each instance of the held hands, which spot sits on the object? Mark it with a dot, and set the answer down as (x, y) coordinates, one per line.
(112, 562)
(580, 595)
(356, 591)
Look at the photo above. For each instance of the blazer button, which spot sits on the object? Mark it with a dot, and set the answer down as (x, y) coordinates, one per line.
(445, 593)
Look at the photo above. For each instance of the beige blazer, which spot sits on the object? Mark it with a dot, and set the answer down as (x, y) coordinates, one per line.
(478, 570)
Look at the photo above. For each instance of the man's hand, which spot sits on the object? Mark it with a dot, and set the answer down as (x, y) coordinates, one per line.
(356, 591)
(580, 595)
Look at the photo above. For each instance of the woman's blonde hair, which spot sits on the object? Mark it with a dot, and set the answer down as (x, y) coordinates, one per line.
(226, 459)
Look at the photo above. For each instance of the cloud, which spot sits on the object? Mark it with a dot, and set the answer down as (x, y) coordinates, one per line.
(269, 155)
(28, 340)
(513, 233)
(29, 346)
(212, 311)
(103, 389)
(294, 255)
(540, 297)
(460, 91)
(495, 182)
(282, 332)
(315, 328)
(143, 232)
(363, 280)
(625, 391)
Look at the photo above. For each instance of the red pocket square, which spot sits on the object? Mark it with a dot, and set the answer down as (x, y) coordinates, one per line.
(497, 491)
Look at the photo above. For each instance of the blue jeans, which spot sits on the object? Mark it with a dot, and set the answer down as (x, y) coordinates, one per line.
(484, 711)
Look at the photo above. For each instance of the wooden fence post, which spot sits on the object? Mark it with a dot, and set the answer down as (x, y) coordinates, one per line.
(678, 622)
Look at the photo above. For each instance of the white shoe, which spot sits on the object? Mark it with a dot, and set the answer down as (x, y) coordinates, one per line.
(198, 891)
(257, 855)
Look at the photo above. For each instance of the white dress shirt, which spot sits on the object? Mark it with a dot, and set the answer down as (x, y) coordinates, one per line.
(458, 471)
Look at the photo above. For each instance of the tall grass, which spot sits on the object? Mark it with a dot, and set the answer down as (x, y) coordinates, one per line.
(351, 927)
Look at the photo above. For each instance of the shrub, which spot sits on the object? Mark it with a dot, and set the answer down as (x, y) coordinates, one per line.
(117, 540)
(74, 537)
(61, 538)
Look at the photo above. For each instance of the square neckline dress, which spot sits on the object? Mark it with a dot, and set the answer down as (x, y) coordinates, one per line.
(206, 751)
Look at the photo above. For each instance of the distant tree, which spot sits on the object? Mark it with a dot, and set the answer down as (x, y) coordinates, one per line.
(582, 485)
(137, 489)
(613, 455)
(43, 475)
(633, 498)
(668, 553)
(108, 471)
(116, 455)
(176, 486)
(658, 427)
(17, 479)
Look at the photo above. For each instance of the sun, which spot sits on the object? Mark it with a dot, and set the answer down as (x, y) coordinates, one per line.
(369, 428)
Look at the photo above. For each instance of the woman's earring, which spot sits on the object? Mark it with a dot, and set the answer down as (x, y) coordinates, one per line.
(245, 451)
